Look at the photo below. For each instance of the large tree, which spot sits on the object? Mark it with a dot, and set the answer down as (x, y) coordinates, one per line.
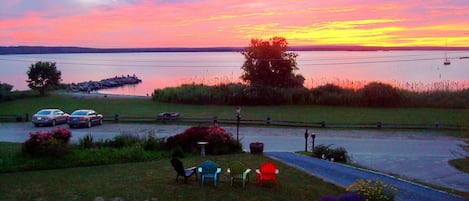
(42, 76)
(269, 64)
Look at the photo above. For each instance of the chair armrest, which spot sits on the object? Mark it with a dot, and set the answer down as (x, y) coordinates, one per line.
(258, 171)
(192, 168)
(228, 171)
(246, 173)
(199, 169)
(276, 171)
(218, 171)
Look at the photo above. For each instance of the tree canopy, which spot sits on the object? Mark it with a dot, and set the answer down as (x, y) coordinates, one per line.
(269, 64)
(42, 76)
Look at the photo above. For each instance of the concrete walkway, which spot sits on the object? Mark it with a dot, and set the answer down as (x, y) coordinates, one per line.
(343, 176)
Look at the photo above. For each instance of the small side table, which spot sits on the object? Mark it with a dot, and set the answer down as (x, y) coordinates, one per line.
(202, 148)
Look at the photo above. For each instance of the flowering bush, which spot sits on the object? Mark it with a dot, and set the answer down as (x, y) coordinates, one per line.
(219, 140)
(373, 190)
(50, 143)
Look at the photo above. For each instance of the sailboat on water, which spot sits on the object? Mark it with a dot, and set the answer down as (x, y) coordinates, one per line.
(447, 61)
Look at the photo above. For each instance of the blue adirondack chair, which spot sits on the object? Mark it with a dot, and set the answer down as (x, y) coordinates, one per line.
(209, 170)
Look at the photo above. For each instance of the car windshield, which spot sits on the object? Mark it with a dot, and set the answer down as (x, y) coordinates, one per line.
(44, 112)
(80, 113)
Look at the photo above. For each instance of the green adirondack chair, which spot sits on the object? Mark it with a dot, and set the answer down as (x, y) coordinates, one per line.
(238, 171)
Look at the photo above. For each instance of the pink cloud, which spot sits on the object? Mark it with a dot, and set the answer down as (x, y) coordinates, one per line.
(221, 23)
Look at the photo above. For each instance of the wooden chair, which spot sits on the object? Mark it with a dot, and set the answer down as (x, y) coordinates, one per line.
(238, 171)
(267, 172)
(179, 168)
(209, 170)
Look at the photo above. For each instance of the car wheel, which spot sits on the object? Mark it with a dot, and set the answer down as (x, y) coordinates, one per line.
(100, 121)
(89, 124)
(53, 122)
(36, 125)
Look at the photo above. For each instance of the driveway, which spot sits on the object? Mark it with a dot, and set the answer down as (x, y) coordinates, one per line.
(415, 155)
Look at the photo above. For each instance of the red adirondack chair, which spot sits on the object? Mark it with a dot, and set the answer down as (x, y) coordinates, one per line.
(267, 172)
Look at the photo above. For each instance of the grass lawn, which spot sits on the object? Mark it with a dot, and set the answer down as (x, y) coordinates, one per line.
(307, 113)
(142, 181)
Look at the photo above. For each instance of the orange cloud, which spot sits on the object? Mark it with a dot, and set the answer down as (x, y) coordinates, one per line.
(219, 23)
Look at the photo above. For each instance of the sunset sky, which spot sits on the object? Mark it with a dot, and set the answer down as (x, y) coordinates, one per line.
(219, 23)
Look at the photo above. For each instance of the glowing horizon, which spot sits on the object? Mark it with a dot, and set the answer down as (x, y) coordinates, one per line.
(212, 23)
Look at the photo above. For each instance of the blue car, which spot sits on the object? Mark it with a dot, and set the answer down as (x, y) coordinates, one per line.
(85, 118)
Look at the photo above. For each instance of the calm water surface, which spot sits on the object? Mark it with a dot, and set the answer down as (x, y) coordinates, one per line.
(415, 70)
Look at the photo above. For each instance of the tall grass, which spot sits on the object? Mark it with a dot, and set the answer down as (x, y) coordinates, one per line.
(374, 94)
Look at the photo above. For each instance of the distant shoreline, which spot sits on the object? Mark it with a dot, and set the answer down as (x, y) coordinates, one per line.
(9, 50)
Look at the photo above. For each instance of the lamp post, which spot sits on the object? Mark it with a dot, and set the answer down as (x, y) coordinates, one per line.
(306, 140)
(238, 118)
(313, 135)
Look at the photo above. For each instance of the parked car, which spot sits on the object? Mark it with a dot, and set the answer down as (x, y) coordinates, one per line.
(49, 117)
(86, 118)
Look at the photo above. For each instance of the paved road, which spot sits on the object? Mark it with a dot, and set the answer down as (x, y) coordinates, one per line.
(342, 175)
(414, 155)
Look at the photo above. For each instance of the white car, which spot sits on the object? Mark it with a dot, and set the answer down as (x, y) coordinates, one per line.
(49, 117)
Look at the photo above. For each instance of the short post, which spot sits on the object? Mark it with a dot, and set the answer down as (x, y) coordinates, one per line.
(313, 136)
(116, 118)
(379, 124)
(323, 124)
(26, 117)
(268, 121)
(437, 124)
(238, 118)
(215, 120)
(306, 140)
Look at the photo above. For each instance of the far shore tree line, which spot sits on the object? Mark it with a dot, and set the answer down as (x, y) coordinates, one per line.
(269, 74)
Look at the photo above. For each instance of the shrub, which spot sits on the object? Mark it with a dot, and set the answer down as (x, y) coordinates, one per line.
(122, 140)
(51, 143)
(177, 152)
(219, 140)
(321, 150)
(5, 91)
(86, 142)
(151, 143)
(377, 94)
(326, 152)
(373, 190)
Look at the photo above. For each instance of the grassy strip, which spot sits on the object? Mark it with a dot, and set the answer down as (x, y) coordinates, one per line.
(12, 160)
(306, 113)
(142, 181)
(461, 164)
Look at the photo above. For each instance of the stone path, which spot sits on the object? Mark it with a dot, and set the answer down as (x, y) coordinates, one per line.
(343, 176)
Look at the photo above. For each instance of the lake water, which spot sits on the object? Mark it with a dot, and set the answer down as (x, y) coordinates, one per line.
(414, 70)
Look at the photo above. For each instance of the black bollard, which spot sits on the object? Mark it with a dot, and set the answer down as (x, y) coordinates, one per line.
(306, 140)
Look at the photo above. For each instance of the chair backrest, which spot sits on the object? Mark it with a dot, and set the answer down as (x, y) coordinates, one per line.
(209, 167)
(268, 168)
(236, 167)
(177, 164)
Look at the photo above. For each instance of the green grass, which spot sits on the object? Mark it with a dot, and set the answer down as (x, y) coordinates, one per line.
(307, 113)
(13, 160)
(142, 181)
(461, 164)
